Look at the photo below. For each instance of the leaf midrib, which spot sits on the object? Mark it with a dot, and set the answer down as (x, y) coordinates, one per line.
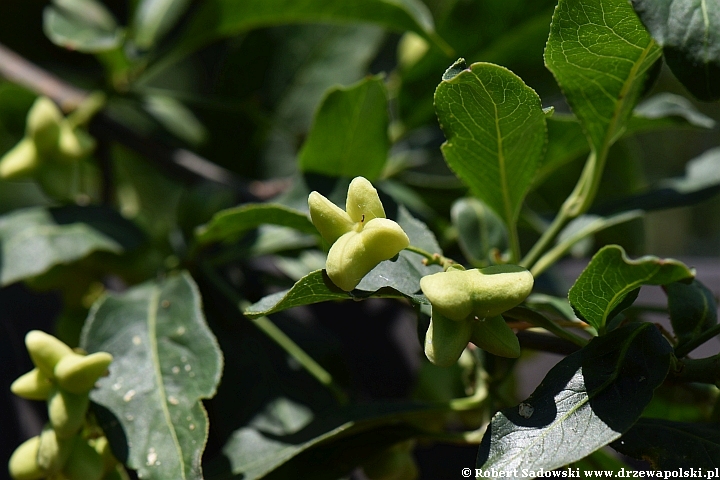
(153, 305)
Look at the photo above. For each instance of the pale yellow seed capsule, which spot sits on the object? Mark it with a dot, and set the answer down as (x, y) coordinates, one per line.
(43, 125)
(45, 351)
(78, 373)
(34, 385)
(363, 203)
(446, 339)
(20, 162)
(328, 218)
(53, 451)
(74, 144)
(67, 412)
(23, 463)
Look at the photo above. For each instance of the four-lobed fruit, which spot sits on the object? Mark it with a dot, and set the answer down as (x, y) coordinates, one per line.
(45, 351)
(361, 237)
(466, 307)
(53, 451)
(78, 373)
(23, 464)
(33, 385)
(67, 411)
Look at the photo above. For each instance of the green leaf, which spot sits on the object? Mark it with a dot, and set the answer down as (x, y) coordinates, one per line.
(689, 32)
(671, 445)
(586, 401)
(153, 18)
(611, 276)
(667, 109)
(82, 25)
(692, 309)
(315, 287)
(33, 240)
(286, 440)
(496, 134)
(166, 360)
(227, 225)
(599, 53)
(176, 118)
(223, 18)
(349, 135)
(479, 229)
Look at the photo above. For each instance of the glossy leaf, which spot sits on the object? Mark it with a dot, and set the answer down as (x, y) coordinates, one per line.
(227, 225)
(349, 135)
(689, 32)
(153, 18)
(223, 18)
(671, 445)
(33, 240)
(496, 133)
(82, 25)
(312, 288)
(586, 401)
(692, 309)
(599, 53)
(479, 229)
(287, 441)
(166, 360)
(611, 276)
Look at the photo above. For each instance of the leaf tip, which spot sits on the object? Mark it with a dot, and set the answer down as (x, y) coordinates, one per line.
(455, 69)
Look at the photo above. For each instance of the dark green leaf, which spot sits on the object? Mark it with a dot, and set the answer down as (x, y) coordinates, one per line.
(667, 109)
(227, 225)
(153, 18)
(496, 134)
(312, 288)
(599, 53)
(83, 25)
(349, 135)
(33, 240)
(166, 360)
(689, 32)
(223, 18)
(672, 445)
(479, 229)
(585, 402)
(176, 118)
(287, 441)
(611, 276)
(692, 309)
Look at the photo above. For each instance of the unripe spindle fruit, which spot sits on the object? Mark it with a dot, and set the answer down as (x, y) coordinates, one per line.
(45, 351)
(446, 339)
(23, 463)
(19, 162)
(53, 451)
(67, 412)
(34, 385)
(73, 144)
(43, 125)
(78, 374)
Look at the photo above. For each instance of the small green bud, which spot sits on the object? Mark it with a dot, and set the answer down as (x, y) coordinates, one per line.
(446, 339)
(53, 452)
(20, 162)
(78, 373)
(84, 462)
(482, 293)
(34, 385)
(45, 351)
(67, 412)
(23, 464)
(43, 125)
(360, 238)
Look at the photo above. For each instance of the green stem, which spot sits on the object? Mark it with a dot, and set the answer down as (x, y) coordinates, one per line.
(534, 318)
(431, 258)
(702, 370)
(514, 243)
(279, 337)
(685, 348)
(473, 437)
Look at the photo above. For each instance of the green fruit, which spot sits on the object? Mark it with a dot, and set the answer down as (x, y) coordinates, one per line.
(78, 374)
(20, 162)
(43, 125)
(45, 351)
(360, 238)
(84, 463)
(67, 412)
(73, 144)
(34, 385)
(487, 292)
(446, 339)
(493, 335)
(354, 254)
(23, 463)
(328, 218)
(53, 452)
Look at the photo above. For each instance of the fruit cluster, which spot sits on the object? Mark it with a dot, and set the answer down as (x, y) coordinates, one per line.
(64, 450)
(466, 304)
